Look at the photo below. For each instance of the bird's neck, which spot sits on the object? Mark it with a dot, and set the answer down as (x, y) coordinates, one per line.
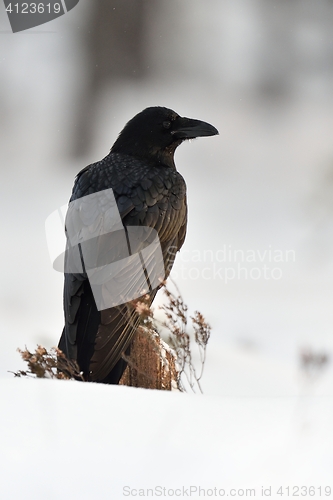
(163, 157)
(166, 158)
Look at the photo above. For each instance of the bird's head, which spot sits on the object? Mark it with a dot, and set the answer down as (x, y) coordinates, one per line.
(156, 132)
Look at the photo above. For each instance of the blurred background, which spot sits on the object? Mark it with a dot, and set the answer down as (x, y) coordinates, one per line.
(260, 194)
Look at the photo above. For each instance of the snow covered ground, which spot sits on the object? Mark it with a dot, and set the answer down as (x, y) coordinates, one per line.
(70, 440)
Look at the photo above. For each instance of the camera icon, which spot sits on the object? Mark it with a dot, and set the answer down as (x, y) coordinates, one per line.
(122, 263)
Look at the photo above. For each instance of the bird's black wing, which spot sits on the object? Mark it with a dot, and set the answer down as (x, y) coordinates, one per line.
(146, 195)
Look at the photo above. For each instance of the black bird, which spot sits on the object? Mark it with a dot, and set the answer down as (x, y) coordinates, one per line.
(149, 191)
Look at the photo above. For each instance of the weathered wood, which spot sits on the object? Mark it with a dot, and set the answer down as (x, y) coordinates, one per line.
(151, 364)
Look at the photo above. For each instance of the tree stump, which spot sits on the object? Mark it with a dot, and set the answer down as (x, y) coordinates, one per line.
(151, 363)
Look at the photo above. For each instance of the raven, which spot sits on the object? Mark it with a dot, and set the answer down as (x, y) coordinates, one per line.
(148, 191)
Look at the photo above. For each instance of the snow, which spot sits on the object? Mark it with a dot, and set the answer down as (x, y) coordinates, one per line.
(66, 439)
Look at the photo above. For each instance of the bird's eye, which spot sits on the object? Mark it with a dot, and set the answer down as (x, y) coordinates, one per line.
(166, 124)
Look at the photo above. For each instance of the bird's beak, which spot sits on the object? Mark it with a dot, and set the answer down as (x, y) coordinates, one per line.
(187, 128)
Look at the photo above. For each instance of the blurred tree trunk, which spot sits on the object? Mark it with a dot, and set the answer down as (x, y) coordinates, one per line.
(115, 49)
